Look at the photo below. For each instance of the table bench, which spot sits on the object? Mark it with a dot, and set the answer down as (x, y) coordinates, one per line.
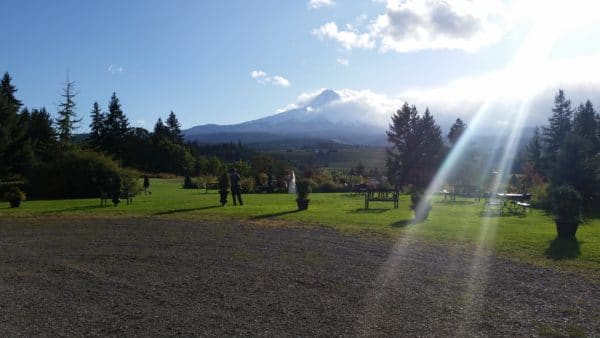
(125, 194)
(211, 186)
(381, 196)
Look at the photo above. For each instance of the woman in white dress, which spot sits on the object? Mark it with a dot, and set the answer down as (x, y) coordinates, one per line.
(291, 178)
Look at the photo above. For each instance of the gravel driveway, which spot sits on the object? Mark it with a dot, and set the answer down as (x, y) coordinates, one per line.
(155, 276)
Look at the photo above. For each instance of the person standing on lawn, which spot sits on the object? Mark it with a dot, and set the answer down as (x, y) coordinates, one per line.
(146, 185)
(236, 186)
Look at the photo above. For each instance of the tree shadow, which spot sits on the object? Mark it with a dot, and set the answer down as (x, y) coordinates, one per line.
(563, 248)
(461, 202)
(276, 214)
(403, 223)
(175, 211)
(80, 208)
(368, 211)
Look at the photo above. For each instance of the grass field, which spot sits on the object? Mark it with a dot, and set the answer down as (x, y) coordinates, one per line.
(529, 239)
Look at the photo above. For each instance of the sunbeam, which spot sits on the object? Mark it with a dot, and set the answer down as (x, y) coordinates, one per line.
(525, 75)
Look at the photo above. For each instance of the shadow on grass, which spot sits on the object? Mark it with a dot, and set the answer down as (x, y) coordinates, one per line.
(80, 208)
(368, 211)
(563, 248)
(403, 223)
(275, 214)
(175, 211)
(447, 202)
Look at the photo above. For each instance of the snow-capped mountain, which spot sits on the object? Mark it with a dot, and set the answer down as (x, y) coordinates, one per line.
(353, 117)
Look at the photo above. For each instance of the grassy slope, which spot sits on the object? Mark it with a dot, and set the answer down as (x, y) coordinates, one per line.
(529, 239)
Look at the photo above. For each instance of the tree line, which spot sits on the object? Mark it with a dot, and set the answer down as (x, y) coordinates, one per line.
(42, 151)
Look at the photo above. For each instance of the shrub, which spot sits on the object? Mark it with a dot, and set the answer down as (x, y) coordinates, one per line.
(76, 173)
(14, 194)
(540, 198)
(248, 184)
(566, 204)
(303, 188)
(329, 186)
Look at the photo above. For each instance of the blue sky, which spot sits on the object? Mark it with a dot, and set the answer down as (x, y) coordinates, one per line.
(232, 61)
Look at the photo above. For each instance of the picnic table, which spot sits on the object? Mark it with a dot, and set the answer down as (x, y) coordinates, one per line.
(467, 191)
(511, 203)
(382, 196)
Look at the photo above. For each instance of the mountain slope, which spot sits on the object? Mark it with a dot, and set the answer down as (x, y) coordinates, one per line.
(326, 116)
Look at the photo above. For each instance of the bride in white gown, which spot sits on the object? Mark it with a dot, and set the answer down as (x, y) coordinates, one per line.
(291, 178)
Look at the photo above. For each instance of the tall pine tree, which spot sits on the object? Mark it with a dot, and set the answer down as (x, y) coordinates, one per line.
(67, 120)
(96, 127)
(116, 127)
(174, 128)
(457, 129)
(10, 133)
(585, 125)
(560, 125)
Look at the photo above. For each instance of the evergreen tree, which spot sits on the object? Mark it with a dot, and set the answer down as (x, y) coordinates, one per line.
(416, 148)
(116, 121)
(560, 126)
(96, 126)
(160, 130)
(457, 129)
(116, 128)
(585, 125)
(534, 151)
(174, 128)
(430, 149)
(41, 134)
(10, 134)
(67, 117)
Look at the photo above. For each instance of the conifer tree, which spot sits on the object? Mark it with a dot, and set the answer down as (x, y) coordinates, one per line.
(402, 141)
(456, 130)
(535, 151)
(560, 125)
(116, 129)
(67, 120)
(96, 126)
(10, 133)
(41, 134)
(585, 125)
(174, 128)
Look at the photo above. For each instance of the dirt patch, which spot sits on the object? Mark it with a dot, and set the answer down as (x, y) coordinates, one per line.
(154, 276)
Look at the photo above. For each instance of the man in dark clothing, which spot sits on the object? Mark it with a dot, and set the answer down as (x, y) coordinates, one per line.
(236, 186)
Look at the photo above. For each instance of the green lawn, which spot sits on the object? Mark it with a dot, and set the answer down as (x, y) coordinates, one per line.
(529, 239)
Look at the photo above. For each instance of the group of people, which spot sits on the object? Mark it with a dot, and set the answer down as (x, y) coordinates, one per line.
(236, 185)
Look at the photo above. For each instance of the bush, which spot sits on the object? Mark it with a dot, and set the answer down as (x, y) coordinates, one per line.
(248, 184)
(14, 194)
(303, 188)
(329, 186)
(566, 204)
(78, 173)
(540, 198)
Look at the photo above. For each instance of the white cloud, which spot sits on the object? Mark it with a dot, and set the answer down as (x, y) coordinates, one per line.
(412, 25)
(264, 79)
(140, 122)
(115, 69)
(257, 74)
(280, 81)
(343, 61)
(349, 106)
(347, 38)
(502, 93)
(314, 4)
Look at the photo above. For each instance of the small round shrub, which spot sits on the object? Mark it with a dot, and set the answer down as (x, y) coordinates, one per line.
(566, 204)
